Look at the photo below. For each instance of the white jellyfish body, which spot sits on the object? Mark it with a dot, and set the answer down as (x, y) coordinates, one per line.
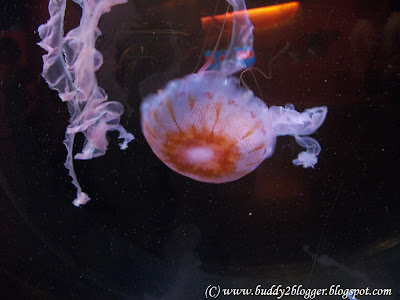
(205, 126)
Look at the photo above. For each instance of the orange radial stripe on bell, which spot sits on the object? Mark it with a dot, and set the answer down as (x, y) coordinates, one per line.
(258, 148)
(192, 101)
(202, 153)
(171, 112)
(150, 132)
(218, 107)
(155, 116)
(252, 130)
(255, 163)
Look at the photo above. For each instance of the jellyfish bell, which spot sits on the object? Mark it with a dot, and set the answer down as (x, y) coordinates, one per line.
(206, 127)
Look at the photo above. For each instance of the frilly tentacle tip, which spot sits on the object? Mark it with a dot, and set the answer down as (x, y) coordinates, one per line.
(123, 146)
(306, 160)
(81, 199)
(127, 140)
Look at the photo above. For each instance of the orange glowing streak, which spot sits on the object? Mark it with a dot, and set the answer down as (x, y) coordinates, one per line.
(262, 17)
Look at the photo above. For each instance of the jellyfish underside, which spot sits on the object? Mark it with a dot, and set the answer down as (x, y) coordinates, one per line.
(215, 135)
(206, 127)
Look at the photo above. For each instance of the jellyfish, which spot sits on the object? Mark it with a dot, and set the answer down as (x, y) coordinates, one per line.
(69, 67)
(206, 127)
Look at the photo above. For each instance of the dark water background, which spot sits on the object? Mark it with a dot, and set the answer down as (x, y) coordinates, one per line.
(150, 233)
